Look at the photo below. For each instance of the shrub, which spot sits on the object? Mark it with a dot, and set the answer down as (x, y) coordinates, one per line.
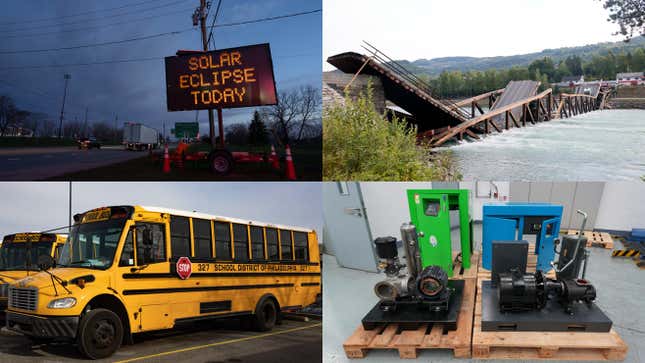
(361, 144)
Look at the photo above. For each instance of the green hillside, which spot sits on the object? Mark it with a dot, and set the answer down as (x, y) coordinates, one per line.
(434, 67)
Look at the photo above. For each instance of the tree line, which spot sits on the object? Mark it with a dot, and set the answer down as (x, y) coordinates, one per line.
(295, 118)
(545, 70)
(39, 125)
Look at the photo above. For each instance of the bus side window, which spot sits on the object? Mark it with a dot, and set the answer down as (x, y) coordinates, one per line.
(150, 249)
(272, 244)
(301, 246)
(222, 241)
(241, 242)
(127, 255)
(179, 236)
(202, 237)
(257, 243)
(285, 243)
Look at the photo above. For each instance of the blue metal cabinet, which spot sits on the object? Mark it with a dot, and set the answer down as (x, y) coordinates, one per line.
(511, 221)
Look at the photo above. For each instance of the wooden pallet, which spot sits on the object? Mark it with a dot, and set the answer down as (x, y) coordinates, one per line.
(542, 345)
(426, 336)
(408, 342)
(596, 239)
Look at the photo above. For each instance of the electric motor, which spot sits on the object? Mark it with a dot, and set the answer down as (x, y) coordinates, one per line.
(521, 292)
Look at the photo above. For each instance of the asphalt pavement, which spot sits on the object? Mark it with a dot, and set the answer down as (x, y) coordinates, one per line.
(46, 162)
(215, 341)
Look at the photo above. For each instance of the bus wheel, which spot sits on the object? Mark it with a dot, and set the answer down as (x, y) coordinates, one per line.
(265, 316)
(99, 334)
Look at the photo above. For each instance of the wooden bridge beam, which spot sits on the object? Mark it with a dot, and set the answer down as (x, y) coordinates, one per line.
(479, 109)
(514, 120)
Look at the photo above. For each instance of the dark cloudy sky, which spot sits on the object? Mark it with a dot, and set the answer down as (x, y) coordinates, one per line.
(136, 90)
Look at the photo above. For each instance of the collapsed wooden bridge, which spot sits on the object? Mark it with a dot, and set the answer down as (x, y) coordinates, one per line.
(439, 121)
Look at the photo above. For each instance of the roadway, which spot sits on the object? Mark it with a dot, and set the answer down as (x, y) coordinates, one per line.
(208, 341)
(37, 163)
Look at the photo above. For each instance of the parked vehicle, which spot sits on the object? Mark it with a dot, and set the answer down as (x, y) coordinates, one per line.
(131, 269)
(19, 257)
(139, 137)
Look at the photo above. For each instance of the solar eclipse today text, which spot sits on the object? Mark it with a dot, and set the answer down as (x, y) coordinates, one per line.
(227, 78)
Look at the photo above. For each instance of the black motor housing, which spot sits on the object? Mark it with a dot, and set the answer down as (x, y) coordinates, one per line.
(521, 292)
(386, 247)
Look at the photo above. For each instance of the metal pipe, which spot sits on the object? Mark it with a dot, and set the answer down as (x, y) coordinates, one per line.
(575, 253)
(411, 247)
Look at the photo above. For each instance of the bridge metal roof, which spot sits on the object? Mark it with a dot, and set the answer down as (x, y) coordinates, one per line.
(429, 112)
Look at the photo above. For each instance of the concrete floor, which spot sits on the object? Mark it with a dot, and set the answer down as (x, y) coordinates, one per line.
(222, 341)
(348, 296)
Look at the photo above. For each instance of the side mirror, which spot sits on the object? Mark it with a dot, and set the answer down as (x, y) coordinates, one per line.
(45, 262)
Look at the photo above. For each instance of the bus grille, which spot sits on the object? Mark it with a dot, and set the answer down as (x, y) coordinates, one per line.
(23, 298)
(4, 290)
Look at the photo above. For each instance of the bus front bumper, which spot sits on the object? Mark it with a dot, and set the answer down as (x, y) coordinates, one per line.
(63, 327)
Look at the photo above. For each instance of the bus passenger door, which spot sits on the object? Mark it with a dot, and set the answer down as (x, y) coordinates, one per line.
(142, 269)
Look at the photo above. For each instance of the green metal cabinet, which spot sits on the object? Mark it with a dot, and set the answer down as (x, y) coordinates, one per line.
(430, 213)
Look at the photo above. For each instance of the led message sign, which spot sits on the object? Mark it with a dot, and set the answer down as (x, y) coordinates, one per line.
(226, 78)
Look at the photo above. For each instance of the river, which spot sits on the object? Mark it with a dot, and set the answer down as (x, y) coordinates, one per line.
(596, 146)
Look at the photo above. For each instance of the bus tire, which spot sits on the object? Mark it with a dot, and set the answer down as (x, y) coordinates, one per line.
(266, 315)
(100, 333)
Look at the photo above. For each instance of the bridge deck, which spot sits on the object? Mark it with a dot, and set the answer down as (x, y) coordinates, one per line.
(514, 91)
(429, 112)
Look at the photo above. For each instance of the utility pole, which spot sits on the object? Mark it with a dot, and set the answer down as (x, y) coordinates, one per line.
(85, 124)
(211, 119)
(62, 110)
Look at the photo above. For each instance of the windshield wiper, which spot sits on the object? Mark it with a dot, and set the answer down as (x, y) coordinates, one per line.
(59, 280)
(80, 262)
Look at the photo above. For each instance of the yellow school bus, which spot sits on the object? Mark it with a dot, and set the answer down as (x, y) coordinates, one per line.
(19, 254)
(131, 269)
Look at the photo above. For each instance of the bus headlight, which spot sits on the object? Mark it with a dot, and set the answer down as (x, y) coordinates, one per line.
(64, 303)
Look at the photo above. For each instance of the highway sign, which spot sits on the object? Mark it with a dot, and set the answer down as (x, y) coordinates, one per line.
(185, 129)
(226, 78)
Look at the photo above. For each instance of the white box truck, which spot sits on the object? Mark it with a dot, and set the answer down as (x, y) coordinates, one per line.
(139, 137)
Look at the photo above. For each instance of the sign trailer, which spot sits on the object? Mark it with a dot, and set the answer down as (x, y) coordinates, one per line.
(225, 78)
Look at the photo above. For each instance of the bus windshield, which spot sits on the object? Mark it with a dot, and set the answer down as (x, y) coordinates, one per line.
(21, 256)
(92, 245)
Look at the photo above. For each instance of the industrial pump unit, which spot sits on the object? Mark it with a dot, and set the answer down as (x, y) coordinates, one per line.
(531, 301)
(423, 294)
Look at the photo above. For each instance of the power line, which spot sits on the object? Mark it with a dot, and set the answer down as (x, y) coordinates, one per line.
(77, 14)
(161, 34)
(83, 64)
(267, 19)
(96, 44)
(95, 26)
(84, 21)
(210, 34)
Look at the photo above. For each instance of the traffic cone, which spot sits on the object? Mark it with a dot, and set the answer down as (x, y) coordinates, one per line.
(291, 170)
(166, 160)
(275, 163)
